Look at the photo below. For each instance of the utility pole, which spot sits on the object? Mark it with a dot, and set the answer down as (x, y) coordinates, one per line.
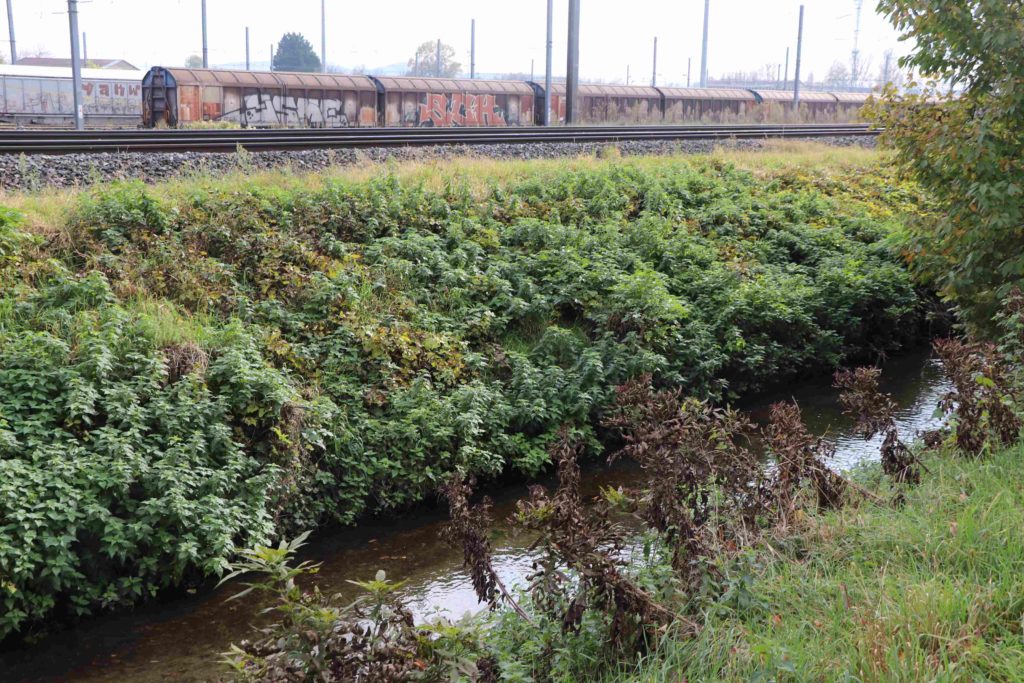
(247, 67)
(855, 75)
(437, 67)
(704, 48)
(572, 72)
(654, 72)
(531, 70)
(76, 65)
(627, 74)
(10, 33)
(799, 52)
(547, 70)
(323, 35)
(887, 68)
(416, 67)
(472, 48)
(85, 49)
(689, 63)
(785, 80)
(206, 53)
(271, 56)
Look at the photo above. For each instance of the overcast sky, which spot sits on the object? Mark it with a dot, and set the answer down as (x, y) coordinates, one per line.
(745, 35)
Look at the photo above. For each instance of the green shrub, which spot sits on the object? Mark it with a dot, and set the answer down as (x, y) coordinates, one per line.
(221, 366)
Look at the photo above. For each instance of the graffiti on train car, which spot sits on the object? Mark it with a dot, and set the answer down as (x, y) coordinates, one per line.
(53, 97)
(294, 110)
(461, 109)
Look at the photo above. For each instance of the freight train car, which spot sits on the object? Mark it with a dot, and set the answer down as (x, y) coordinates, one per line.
(622, 104)
(179, 97)
(776, 106)
(44, 95)
(849, 104)
(706, 105)
(447, 102)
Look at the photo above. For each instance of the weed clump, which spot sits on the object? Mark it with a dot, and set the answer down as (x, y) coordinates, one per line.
(875, 413)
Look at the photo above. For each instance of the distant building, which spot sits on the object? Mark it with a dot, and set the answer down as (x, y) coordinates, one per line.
(119, 64)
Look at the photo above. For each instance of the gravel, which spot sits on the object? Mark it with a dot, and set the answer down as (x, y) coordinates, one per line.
(77, 170)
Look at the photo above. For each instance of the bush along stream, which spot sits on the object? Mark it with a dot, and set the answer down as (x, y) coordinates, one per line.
(192, 369)
(689, 600)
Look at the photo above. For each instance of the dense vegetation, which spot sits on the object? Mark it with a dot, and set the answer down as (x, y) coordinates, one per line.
(187, 370)
(728, 570)
(966, 151)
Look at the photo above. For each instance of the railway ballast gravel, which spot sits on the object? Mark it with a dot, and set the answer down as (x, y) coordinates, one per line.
(19, 172)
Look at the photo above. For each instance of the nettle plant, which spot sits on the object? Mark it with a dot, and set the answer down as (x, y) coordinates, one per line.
(125, 469)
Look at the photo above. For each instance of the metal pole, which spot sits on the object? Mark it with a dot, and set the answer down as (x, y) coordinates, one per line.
(799, 54)
(76, 65)
(627, 74)
(247, 63)
(85, 49)
(704, 47)
(437, 67)
(785, 80)
(654, 73)
(547, 70)
(271, 56)
(10, 33)
(572, 74)
(472, 48)
(206, 52)
(323, 35)
(689, 63)
(531, 70)
(416, 68)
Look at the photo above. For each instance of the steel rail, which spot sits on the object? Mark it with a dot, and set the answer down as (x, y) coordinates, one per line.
(224, 141)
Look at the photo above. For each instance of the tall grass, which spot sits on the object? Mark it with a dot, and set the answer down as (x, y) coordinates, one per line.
(930, 592)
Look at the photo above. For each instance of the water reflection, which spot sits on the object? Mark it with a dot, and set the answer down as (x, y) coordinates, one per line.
(179, 641)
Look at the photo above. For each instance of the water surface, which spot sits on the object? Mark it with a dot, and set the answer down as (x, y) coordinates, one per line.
(180, 640)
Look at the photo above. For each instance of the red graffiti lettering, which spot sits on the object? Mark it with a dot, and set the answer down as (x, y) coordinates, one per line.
(489, 114)
(434, 111)
(104, 90)
(472, 110)
(461, 109)
(119, 89)
(87, 88)
(457, 110)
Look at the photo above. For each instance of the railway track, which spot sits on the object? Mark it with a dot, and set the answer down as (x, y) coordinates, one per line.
(223, 141)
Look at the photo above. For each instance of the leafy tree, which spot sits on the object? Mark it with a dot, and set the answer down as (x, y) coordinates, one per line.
(425, 62)
(295, 53)
(194, 62)
(837, 74)
(967, 150)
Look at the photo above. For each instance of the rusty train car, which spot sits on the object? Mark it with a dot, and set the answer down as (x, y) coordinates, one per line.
(43, 95)
(183, 97)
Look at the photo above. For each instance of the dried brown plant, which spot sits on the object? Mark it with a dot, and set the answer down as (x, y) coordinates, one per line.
(875, 412)
(468, 529)
(799, 459)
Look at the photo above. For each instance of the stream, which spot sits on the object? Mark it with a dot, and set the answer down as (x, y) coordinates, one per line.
(180, 639)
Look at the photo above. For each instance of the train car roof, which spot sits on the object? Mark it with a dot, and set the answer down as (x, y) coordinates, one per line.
(852, 97)
(17, 70)
(272, 79)
(484, 86)
(707, 94)
(787, 96)
(598, 90)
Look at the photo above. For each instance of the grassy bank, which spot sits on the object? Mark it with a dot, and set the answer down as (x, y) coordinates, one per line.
(211, 363)
(928, 592)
